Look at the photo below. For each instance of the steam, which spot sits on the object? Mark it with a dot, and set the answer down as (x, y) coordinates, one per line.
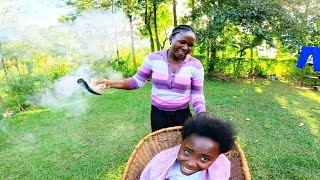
(95, 32)
(66, 94)
(100, 32)
(92, 36)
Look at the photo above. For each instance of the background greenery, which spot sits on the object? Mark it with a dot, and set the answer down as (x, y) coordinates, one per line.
(229, 36)
(278, 122)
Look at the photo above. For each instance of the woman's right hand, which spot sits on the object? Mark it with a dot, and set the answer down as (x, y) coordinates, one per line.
(105, 82)
(118, 84)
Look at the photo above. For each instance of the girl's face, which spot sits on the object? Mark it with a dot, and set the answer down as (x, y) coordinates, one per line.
(197, 153)
(182, 44)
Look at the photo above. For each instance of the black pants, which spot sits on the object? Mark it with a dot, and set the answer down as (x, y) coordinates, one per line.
(163, 119)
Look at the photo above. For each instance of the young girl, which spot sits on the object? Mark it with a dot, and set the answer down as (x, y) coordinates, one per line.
(200, 156)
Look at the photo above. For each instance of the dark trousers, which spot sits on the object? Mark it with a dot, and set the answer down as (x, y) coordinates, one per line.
(163, 119)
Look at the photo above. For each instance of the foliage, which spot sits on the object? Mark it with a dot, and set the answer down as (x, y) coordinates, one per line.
(28, 73)
(120, 65)
(228, 34)
(304, 27)
(250, 23)
(262, 67)
(19, 88)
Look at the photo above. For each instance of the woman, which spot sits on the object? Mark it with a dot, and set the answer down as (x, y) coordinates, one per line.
(177, 79)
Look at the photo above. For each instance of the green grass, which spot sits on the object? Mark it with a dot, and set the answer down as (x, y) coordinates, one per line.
(48, 144)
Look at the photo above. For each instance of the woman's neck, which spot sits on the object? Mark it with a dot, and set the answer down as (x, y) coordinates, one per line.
(172, 58)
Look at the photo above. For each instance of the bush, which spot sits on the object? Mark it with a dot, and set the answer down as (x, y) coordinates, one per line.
(18, 89)
(262, 67)
(123, 66)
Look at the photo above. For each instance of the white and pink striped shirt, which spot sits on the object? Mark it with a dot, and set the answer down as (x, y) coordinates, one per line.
(172, 91)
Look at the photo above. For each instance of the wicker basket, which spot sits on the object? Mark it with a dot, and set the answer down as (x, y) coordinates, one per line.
(166, 138)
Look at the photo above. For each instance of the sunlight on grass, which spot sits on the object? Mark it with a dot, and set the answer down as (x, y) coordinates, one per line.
(258, 89)
(311, 95)
(34, 111)
(116, 173)
(282, 101)
(308, 118)
(286, 81)
(70, 104)
(266, 82)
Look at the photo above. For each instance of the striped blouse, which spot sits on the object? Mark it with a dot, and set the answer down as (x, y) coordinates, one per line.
(172, 91)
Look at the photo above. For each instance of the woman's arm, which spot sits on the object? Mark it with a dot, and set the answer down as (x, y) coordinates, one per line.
(197, 96)
(135, 82)
(118, 84)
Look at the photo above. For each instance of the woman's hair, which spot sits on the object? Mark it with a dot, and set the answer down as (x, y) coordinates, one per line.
(213, 128)
(181, 28)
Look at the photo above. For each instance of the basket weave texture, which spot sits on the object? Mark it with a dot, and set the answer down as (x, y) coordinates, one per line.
(167, 138)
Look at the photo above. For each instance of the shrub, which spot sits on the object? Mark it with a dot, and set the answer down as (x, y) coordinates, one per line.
(18, 88)
(123, 66)
(263, 67)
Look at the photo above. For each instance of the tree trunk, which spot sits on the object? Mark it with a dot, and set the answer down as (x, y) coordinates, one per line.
(116, 42)
(251, 57)
(155, 25)
(132, 44)
(174, 8)
(115, 32)
(208, 48)
(150, 37)
(213, 51)
(2, 104)
(3, 65)
(147, 17)
(16, 64)
(192, 11)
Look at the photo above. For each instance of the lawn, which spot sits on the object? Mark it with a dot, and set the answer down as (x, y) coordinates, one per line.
(278, 129)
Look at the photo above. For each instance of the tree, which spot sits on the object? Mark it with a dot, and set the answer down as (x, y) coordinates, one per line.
(304, 28)
(1, 56)
(155, 25)
(174, 9)
(3, 64)
(209, 19)
(260, 20)
(147, 21)
(130, 7)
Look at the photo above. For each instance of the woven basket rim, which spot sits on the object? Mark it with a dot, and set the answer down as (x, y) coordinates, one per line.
(243, 160)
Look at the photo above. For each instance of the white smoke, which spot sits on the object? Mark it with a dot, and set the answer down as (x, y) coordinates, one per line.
(92, 36)
(66, 94)
(94, 32)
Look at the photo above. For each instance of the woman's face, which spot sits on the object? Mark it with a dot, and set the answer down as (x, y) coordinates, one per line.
(197, 153)
(182, 44)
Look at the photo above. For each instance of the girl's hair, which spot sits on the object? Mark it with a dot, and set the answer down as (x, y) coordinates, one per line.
(213, 128)
(181, 28)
